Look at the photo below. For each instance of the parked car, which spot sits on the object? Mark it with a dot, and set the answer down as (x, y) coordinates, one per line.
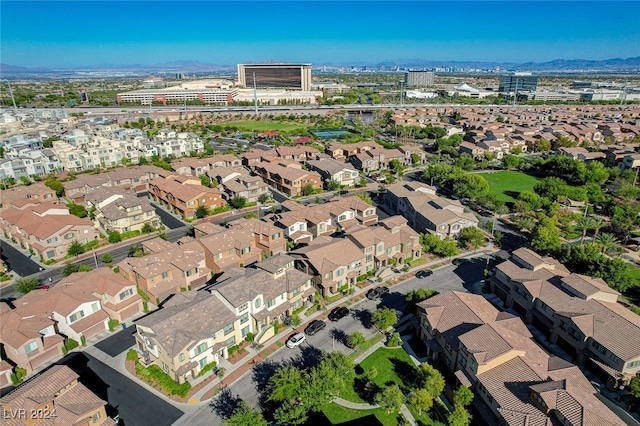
(424, 273)
(314, 327)
(459, 261)
(376, 293)
(295, 340)
(338, 313)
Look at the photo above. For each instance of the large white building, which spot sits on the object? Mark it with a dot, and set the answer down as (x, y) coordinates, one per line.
(208, 92)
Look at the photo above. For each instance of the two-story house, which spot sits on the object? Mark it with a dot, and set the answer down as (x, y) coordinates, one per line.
(117, 209)
(332, 170)
(185, 199)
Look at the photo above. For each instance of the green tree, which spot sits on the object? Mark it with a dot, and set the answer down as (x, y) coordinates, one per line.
(70, 268)
(238, 202)
(202, 211)
(205, 180)
(366, 198)
(147, 228)
(395, 165)
(462, 396)
(84, 268)
(106, 258)
(333, 184)
(472, 236)
(289, 414)
(583, 225)
(634, 386)
(421, 400)
(430, 379)
(607, 242)
(356, 338)
(308, 189)
(25, 285)
(390, 399)
(77, 210)
(543, 145)
(53, 184)
(285, 385)
(384, 318)
(415, 159)
(459, 416)
(114, 237)
(511, 161)
(264, 198)
(416, 296)
(75, 248)
(545, 236)
(465, 162)
(244, 415)
(471, 186)
(25, 180)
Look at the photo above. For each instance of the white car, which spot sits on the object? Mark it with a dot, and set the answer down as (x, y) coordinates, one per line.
(296, 340)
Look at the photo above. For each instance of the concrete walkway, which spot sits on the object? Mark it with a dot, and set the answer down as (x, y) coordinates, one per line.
(366, 406)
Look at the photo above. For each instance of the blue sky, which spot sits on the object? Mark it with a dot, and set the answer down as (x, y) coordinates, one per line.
(94, 33)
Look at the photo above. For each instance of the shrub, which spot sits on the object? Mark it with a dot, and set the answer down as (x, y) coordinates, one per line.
(207, 368)
(25, 285)
(249, 337)
(113, 323)
(106, 258)
(132, 355)
(18, 375)
(394, 341)
(70, 344)
(83, 340)
(232, 349)
(154, 375)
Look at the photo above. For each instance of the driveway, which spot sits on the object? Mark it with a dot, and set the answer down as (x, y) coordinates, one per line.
(168, 219)
(134, 404)
(119, 342)
(18, 262)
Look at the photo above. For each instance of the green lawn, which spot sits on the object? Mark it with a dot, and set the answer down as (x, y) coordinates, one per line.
(338, 414)
(508, 183)
(263, 126)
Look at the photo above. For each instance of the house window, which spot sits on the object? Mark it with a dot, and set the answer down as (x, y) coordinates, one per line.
(230, 341)
(245, 331)
(31, 347)
(52, 240)
(228, 329)
(296, 291)
(181, 357)
(258, 303)
(192, 271)
(342, 217)
(339, 272)
(321, 227)
(244, 318)
(94, 307)
(165, 275)
(68, 236)
(633, 364)
(96, 417)
(219, 256)
(125, 293)
(201, 348)
(326, 275)
(271, 303)
(275, 236)
(75, 317)
(246, 250)
(203, 362)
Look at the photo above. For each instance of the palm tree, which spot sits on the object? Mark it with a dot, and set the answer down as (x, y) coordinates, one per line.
(584, 224)
(607, 242)
(598, 224)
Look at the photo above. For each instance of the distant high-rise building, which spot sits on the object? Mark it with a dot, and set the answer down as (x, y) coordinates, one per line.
(289, 76)
(518, 82)
(419, 78)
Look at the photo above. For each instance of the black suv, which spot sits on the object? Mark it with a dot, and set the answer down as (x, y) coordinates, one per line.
(338, 313)
(314, 327)
(424, 274)
(376, 293)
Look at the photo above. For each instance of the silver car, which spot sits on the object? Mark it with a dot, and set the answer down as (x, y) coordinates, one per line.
(295, 340)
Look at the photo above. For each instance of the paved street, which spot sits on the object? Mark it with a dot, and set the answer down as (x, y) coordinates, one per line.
(118, 342)
(135, 404)
(18, 262)
(445, 278)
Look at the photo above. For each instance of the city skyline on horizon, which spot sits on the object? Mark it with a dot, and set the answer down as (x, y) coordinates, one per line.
(94, 34)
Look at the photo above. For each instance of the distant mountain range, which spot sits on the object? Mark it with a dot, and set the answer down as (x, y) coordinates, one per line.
(616, 64)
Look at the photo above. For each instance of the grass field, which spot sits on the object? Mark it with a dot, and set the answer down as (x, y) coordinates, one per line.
(263, 126)
(508, 183)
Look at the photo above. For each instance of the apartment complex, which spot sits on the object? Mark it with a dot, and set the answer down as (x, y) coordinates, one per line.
(58, 397)
(331, 170)
(166, 268)
(515, 381)
(580, 314)
(289, 178)
(425, 211)
(185, 198)
(196, 328)
(119, 210)
(47, 229)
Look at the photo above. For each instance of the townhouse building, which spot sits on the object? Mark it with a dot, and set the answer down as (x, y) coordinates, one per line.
(580, 314)
(34, 193)
(378, 159)
(116, 209)
(246, 186)
(426, 211)
(233, 247)
(265, 293)
(341, 152)
(472, 149)
(515, 381)
(83, 303)
(301, 224)
(331, 170)
(29, 340)
(47, 229)
(59, 397)
(290, 179)
(167, 268)
(334, 263)
(184, 199)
